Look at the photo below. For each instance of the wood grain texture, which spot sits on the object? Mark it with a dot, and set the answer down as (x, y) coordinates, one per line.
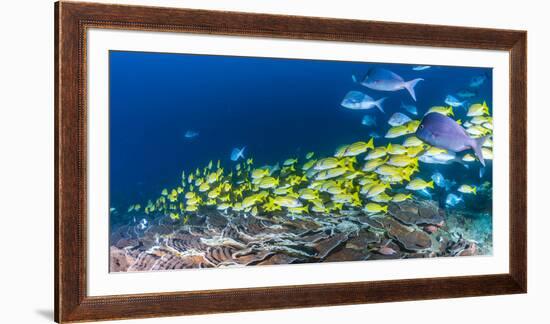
(71, 23)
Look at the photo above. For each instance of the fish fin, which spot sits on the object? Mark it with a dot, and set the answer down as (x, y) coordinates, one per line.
(354, 78)
(477, 144)
(409, 85)
(378, 104)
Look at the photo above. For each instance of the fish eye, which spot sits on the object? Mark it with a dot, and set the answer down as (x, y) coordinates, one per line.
(421, 126)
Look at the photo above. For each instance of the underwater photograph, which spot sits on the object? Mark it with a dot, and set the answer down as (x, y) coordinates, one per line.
(228, 161)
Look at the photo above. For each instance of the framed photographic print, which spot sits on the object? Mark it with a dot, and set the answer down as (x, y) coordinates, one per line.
(262, 162)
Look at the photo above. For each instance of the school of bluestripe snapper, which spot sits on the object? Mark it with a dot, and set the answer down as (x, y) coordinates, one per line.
(362, 178)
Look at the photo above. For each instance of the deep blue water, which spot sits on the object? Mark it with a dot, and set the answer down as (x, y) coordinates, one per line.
(277, 108)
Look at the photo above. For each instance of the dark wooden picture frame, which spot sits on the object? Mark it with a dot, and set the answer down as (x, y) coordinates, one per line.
(72, 20)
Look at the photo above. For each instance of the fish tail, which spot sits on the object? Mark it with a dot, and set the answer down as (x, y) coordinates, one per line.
(431, 184)
(474, 190)
(451, 112)
(370, 143)
(378, 104)
(476, 146)
(409, 85)
(384, 209)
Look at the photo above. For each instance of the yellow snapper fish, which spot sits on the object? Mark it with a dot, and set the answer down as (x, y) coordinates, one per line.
(412, 126)
(328, 163)
(191, 208)
(347, 199)
(194, 201)
(212, 177)
(478, 110)
(340, 150)
(373, 208)
(268, 182)
(215, 192)
(259, 173)
(309, 155)
(335, 189)
(400, 197)
(414, 151)
(377, 189)
(321, 209)
(358, 148)
(298, 210)
(434, 151)
(479, 120)
(250, 201)
(382, 198)
(330, 173)
(468, 158)
(289, 162)
(389, 170)
(282, 191)
(254, 211)
(487, 153)
(237, 207)
(198, 182)
(396, 149)
(174, 216)
(366, 187)
(477, 130)
(164, 192)
(372, 177)
(467, 189)
(488, 125)
(295, 179)
(287, 201)
(204, 187)
(419, 184)
(371, 165)
(353, 175)
(223, 206)
(376, 153)
(447, 111)
(402, 160)
(412, 141)
(308, 165)
(397, 131)
(308, 194)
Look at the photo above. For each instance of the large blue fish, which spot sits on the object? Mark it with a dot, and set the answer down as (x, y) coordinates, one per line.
(444, 132)
(362, 101)
(385, 80)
